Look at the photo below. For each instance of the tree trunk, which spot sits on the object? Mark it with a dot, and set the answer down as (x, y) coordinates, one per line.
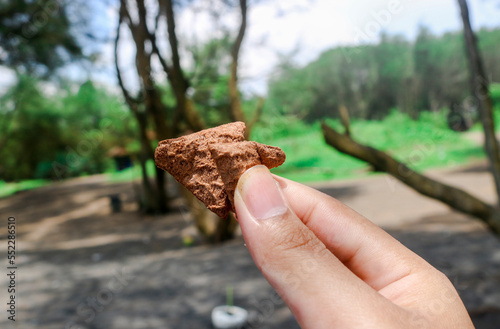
(453, 197)
(208, 224)
(155, 199)
(148, 199)
(211, 227)
(178, 82)
(234, 96)
(479, 85)
(235, 108)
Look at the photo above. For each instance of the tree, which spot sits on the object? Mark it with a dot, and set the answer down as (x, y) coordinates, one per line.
(480, 90)
(26, 116)
(144, 105)
(77, 126)
(148, 105)
(234, 96)
(425, 69)
(427, 75)
(451, 196)
(36, 35)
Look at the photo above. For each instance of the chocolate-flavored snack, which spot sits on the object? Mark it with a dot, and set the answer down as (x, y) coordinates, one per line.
(210, 162)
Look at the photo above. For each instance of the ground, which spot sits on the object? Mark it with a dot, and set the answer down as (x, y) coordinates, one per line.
(82, 266)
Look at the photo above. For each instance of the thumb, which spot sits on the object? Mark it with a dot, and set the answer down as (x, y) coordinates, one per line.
(296, 263)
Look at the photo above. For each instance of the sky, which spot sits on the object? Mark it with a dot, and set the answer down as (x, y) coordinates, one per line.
(329, 23)
(304, 28)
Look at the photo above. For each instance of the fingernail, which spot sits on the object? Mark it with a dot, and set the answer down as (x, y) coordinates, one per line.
(261, 194)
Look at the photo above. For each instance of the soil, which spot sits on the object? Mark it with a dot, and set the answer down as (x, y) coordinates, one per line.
(82, 266)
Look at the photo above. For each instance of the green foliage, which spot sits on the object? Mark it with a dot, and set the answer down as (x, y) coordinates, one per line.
(34, 33)
(495, 93)
(94, 122)
(63, 135)
(422, 144)
(70, 132)
(495, 96)
(130, 174)
(429, 74)
(29, 117)
(209, 79)
(488, 43)
(7, 189)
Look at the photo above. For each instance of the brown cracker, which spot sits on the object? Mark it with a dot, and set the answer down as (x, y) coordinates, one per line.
(210, 162)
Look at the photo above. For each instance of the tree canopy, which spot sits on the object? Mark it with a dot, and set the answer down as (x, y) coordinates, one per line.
(426, 75)
(36, 36)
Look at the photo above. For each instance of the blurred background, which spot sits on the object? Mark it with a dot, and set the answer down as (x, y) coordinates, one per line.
(88, 88)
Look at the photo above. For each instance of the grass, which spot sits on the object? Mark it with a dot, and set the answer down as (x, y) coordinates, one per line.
(422, 144)
(7, 189)
(130, 174)
(495, 96)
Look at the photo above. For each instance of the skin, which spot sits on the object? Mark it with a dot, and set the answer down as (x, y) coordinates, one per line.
(333, 267)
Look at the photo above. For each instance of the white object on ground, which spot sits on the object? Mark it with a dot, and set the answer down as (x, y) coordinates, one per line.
(229, 317)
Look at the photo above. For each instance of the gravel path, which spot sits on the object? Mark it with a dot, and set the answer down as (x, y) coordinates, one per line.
(80, 266)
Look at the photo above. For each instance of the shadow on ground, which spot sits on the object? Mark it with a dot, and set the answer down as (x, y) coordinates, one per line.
(470, 259)
(82, 266)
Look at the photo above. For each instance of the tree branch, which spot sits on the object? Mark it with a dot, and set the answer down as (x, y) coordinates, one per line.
(163, 62)
(132, 103)
(452, 196)
(344, 118)
(152, 38)
(480, 89)
(234, 97)
(146, 150)
(178, 82)
(174, 46)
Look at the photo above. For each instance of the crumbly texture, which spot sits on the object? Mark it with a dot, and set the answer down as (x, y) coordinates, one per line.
(232, 160)
(210, 162)
(271, 156)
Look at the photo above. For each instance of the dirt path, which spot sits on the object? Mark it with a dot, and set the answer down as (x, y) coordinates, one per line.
(81, 266)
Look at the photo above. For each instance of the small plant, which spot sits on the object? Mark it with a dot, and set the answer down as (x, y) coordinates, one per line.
(229, 298)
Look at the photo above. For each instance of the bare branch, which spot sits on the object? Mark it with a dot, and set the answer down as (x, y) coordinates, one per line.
(177, 73)
(241, 33)
(125, 13)
(234, 97)
(178, 82)
(132, 103)
(344, 118)
(480, 89)
(152, 37)
(452, 196)
(156, 51)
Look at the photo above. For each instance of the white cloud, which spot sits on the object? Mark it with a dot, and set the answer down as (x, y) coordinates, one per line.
(325, 24)
(281, 26)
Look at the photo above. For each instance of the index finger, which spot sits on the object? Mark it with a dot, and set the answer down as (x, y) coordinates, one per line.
(366, 249)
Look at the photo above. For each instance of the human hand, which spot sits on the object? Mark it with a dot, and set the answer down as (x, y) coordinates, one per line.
(333, 267)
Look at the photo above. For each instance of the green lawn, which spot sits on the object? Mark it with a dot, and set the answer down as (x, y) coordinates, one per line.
(422, 144)
(131, 174)
(7, 189)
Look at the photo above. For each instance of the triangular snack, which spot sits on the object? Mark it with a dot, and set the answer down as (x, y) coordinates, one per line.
(190, 160)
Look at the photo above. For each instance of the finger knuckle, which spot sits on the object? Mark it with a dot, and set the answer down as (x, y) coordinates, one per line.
(299, 239)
